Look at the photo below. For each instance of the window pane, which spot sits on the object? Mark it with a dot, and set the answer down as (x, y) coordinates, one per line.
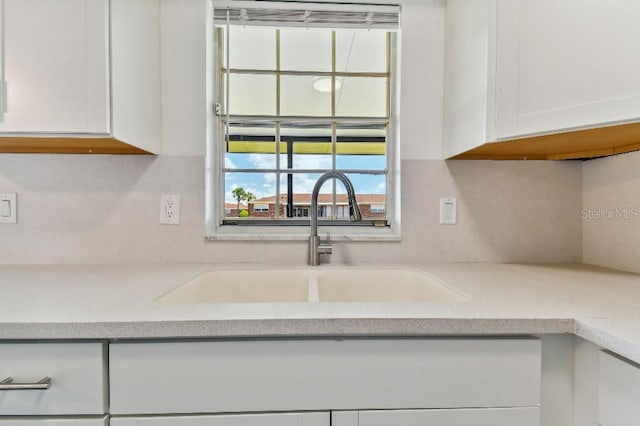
(362, 148)
(361, 162)
(312, 161)
(362, 97)
(305, 129)
(260, 185)
(252, 48)
(303, 49)
(298, 97)
(370, 192)
(251, 146)
(252, 94)
(310, 145)
(300, 186)
(361, 51)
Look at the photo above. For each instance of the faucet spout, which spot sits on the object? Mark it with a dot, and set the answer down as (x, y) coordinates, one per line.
(316, 247)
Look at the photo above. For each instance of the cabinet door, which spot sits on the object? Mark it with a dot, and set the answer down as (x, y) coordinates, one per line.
(55, 66)
(564, 64)
(54, 422)
(618, 391)
(526, 416)
(284, 419)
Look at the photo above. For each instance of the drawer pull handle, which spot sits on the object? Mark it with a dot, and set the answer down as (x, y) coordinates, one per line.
(7, 384)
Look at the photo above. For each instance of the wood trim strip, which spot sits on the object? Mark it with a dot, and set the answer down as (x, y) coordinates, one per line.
(67, 145)
(579, 144)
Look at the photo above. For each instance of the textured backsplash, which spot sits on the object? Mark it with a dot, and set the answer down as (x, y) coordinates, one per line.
(611, 212)
(105, 209)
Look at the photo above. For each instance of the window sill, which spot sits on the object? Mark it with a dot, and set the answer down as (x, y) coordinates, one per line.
(269, 233)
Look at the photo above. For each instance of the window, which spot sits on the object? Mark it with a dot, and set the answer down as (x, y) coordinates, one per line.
(301, 89)
(260, 208)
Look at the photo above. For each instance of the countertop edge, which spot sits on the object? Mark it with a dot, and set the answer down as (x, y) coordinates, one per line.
(283, 328)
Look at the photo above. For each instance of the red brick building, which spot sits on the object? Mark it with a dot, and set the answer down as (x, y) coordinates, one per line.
(231, 209)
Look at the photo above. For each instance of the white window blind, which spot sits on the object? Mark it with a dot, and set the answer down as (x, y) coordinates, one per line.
(318, 15)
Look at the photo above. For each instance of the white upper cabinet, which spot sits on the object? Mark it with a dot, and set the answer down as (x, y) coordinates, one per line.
(516, 69)
(80, 76)
(55, 66)
(566, 64)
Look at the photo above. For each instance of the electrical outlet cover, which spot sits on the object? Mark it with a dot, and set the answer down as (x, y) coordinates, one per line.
(170, 209)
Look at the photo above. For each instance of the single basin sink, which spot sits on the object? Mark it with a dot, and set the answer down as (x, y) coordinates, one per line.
(242, 286)
(383, 285)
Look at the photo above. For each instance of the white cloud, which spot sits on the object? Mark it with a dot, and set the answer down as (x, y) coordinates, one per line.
(312, 161)
(229, 164)
(263, 161)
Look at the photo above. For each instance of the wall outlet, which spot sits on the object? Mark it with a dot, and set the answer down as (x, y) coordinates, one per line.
(169, 209)
(9, 208)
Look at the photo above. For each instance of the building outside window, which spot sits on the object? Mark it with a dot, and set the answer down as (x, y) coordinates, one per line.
(302, 89)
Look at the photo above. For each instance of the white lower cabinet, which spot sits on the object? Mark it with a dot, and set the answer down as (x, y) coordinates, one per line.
(53, 384)
(76, 373)
(524, 416)
(280, 419)
(322, 375)
(618, 391)
(55, 422)
(323, 382)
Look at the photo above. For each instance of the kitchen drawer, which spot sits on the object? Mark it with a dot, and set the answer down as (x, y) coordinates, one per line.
(54, 422)
(520, 416)
(267, 419)
(298, 375)
(77, 372)
(618, 391)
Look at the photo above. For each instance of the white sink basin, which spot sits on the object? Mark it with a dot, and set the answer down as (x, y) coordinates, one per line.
(259, 286)
(383, 285)
(312, 285)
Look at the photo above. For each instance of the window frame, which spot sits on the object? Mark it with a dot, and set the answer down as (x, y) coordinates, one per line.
(217, 229)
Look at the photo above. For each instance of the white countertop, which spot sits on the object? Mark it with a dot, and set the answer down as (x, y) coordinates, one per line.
(117, 302)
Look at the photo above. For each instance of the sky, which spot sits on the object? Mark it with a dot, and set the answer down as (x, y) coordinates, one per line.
(264, 184)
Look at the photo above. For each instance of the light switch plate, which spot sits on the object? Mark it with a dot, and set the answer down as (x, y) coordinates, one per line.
(448, 213)
(9, 208)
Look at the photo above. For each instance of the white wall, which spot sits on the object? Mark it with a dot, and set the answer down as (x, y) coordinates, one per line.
(611, 215)
(183, 77)
(105, 209)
